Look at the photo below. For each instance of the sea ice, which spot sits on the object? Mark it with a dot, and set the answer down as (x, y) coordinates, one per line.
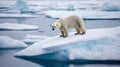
(7, 42)
(23, 7)
(34, 38)
(85, 14)
(70, 7)
(16, 26)
(96, 44)
(111, 5)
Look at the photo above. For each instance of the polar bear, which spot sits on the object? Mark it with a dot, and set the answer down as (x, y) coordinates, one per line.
(73, 21)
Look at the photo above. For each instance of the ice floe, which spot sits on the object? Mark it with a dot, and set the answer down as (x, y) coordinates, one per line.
(97, 44)
(34, 38)
(111, 5)
(16, 26)
(7, 42)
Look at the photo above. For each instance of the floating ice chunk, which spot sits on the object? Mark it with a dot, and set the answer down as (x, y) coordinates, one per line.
(35, 38)
(97, 44)
(16, 26)
(7, 42)
(70, 7)
(21, 5)
(111, 5)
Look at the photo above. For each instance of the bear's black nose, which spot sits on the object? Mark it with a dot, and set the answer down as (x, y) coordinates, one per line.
(53, 29)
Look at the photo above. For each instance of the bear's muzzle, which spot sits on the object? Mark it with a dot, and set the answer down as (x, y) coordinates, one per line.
(53, 28)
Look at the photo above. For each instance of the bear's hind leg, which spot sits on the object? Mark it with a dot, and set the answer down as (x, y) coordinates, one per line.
(83, 33)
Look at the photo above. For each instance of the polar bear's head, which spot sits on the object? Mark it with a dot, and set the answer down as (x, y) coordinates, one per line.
(57, 24)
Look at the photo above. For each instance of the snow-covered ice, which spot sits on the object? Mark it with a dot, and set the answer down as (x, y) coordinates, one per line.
(34, 38)
(96, 44)
(7, 42)
(17, 15)
(16, 26)
(85, 14)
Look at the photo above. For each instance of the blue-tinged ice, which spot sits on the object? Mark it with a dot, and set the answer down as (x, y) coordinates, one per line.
(70, 7)
(23, 7)
(96, 44)
(111, 5)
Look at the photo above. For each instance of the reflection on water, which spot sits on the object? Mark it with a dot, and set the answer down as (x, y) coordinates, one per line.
(7, 59)
(50, 63)
(83, 63)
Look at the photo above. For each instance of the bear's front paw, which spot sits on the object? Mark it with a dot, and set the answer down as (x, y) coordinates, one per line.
(64, 36)
(61, 35)
(83, 33)
(77, 33)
